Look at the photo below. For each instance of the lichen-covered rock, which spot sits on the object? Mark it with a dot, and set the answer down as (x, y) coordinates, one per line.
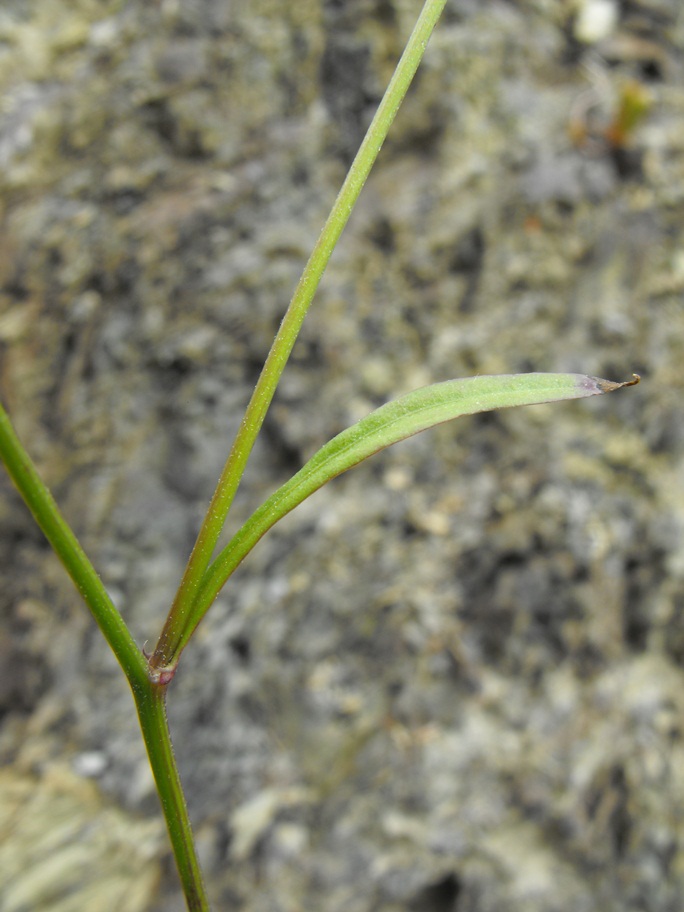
(64, 848)
(452, 679)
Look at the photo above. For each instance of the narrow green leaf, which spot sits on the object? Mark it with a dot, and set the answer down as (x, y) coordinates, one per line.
(417, 411)
(179, 615)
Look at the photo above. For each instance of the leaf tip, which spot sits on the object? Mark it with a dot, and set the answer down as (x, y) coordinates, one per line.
(608, 386)
(596, 386)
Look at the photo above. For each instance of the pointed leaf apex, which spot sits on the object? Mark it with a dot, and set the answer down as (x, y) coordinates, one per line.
(608, 386)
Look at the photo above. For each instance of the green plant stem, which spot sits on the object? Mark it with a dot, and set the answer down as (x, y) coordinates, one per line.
(151, 706)
(47, 514)
(167, 649)
(149, 697)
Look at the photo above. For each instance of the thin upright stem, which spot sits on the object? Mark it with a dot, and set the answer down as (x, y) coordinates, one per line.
(149, 696)
(47, 514)
(150, 703)
(168, 647)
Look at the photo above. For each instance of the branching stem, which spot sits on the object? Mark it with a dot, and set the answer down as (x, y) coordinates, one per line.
(168, 647)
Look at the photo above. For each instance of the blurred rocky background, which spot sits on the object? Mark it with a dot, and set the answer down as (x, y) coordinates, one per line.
(451, 681)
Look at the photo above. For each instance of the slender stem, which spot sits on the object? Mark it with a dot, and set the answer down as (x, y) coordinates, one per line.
(149, 697)
(151, 705)
(40, 502)
(167, 649)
